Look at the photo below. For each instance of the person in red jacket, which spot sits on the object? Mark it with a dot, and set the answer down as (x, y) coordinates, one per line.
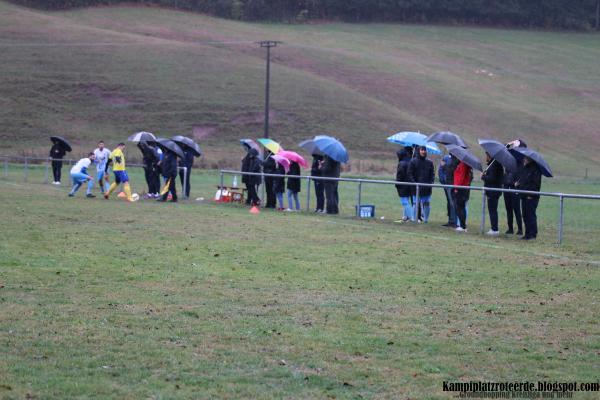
(463, 175)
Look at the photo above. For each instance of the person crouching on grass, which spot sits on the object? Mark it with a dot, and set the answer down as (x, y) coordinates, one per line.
(79, 175)
(117, 158)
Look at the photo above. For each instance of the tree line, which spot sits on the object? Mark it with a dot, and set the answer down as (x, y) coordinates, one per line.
(546, 14)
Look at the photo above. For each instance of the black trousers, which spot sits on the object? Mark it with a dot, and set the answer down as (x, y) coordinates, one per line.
(271, 198)
(492, 200)
(56, 170)
(320, 193)
(513, 206)
(461, 196)
(187, 180)
(529, 205)
(172, 189)
(331, 195)
(253, 198)
(155, 179)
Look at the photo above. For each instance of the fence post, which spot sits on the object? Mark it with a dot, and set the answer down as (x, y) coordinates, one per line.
(416, 206)
(483, 200)
(26, 169)
(560, 219)
(6, 168)
(308, 194)
(46, 171)
(221, 186)
(358, 199)
(263, 202)
(184, 186)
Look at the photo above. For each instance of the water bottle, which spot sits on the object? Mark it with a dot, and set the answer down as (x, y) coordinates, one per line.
(234, 181)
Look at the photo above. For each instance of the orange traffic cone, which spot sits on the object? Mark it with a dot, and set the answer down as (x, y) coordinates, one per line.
(254, 210)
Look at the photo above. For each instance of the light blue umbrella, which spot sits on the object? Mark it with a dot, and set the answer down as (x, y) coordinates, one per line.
(331, 147)
(414, 139)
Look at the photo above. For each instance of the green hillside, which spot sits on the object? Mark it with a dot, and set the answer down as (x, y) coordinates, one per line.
(108, 72)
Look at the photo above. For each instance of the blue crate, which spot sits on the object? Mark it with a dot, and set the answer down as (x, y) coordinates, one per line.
(366, 211)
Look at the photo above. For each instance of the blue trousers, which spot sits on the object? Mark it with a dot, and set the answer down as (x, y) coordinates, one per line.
(291, 194)
(425, 206)
(79, 179)
(407, 208)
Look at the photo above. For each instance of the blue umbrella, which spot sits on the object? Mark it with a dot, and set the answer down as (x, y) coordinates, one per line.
(537, 158)
(331, 147)
(310, 146)
(414, 139)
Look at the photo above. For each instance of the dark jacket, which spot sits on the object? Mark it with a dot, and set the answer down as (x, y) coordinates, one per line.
(293, 184)
(269, 166)
(315, 169)
(150, 156)
(529, 178)
(331, 168)
(57, 151)
(187, 160)
(449, 169)
(402, 174)
(169, 165)
(421, 170)
(251, 163)
(279, 182)
(493, 177)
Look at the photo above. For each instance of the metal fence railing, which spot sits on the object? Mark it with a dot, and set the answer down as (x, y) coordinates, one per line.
(27, 162)
(483, 190)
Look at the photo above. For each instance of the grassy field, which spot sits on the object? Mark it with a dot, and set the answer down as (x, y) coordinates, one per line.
(110, 71)
(105, 299)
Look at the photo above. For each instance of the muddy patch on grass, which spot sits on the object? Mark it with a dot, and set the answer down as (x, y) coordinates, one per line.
(110, 96)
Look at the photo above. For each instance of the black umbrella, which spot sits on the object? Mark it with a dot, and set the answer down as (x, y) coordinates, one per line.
(141, 137)
(61, 140)
(500, 153)
(446, 138)
(465, 156)
(186, 142)
(537, 158)
(169, 145)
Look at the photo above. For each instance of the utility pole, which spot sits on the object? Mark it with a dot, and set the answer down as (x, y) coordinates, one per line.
(597, 14)
(268, 44)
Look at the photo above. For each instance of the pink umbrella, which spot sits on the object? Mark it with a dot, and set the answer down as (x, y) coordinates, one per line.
(284, 162)
(293, 156)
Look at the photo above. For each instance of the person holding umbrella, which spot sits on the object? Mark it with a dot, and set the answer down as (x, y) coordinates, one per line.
(492, 177)
(59, 148)
(150, 159)
(169, 173)
(421, 170)
(117, 158)
(463, 175)
(293, 186)
(405, 192)
(530, 178)
(512, 202)
(446, 176)
(190, 150)
(251, 163)
(279, 182)
(315, 170)
(270, 167)
(331, 169)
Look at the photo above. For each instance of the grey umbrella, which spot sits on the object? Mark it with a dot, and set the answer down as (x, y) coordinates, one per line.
(169, 145)
(141, 137)
(310, 146)
(61, 140)
(446, 137)
(465, 156)
(187, 143)
(500, 153)
(537, 158)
